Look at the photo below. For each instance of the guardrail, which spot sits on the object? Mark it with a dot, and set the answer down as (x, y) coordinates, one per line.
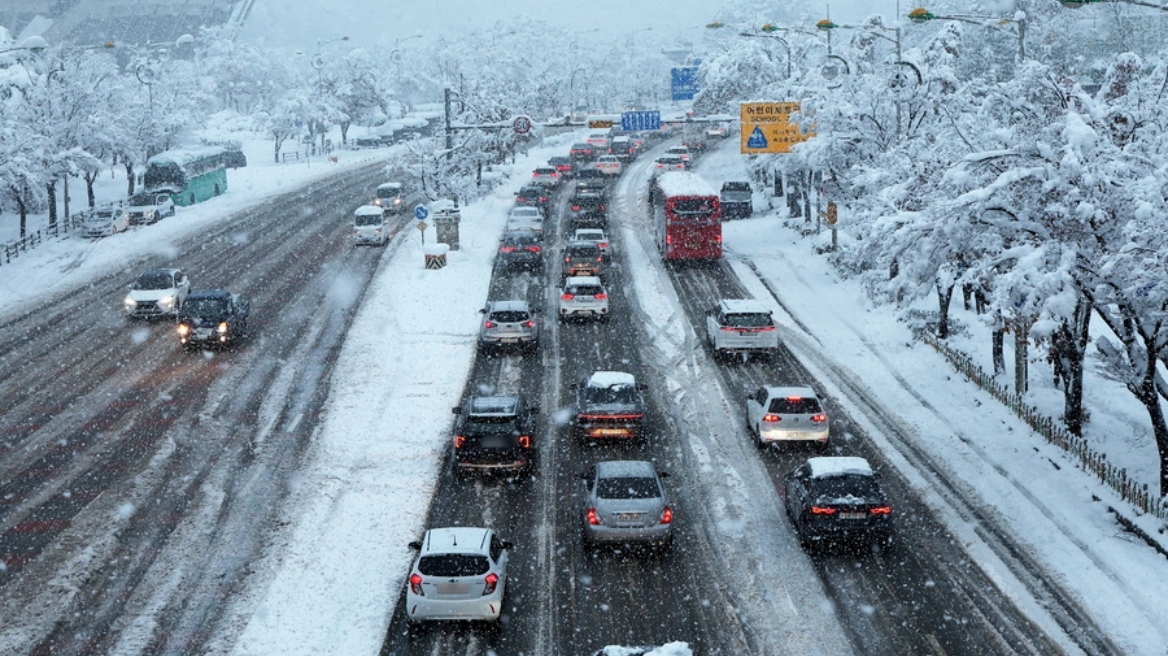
(1116, 478)
(11, 250)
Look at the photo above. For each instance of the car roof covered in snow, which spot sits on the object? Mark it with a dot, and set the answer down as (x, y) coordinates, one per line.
(611, 379)
(838, 466)
(368, 210)
(743, 306)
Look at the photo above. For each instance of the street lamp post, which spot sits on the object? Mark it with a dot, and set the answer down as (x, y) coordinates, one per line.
(827, 26)
(922, 15)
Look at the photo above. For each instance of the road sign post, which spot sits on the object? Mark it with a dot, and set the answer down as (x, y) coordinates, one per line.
(683, 82)
(521, 125)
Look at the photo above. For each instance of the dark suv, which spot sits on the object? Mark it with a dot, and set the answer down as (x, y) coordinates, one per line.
(533, 196)
(212, 317)
(609, 405)
(838, 497)
(521, 249)
(582, 258)
(588, 209)
(494, 433)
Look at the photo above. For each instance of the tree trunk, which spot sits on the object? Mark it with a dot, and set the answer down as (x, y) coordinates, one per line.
(65, 195)
(23, 208)
(1145, 392)
(90, 178)
(1071, 339)
(944, 298)
(1021, 356)
(344, 132)
(51, 190)
(129, 179)
(998, 348)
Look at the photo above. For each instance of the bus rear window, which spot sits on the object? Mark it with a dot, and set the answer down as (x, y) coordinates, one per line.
(692, 206)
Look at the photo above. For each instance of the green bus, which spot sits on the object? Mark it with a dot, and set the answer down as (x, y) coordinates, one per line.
(191, 175)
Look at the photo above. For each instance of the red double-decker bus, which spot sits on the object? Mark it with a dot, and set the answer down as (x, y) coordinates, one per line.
(687, 217)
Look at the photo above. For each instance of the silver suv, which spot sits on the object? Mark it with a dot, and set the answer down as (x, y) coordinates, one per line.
(625, 502)
(509, 323)
(741, 326)
(583, 297)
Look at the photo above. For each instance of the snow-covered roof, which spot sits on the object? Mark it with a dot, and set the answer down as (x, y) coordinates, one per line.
(394, 186)
(368, 210)
(582, 280)
(611, 379)
(684, 183)
(838, 466)
(626, 468)
(184, 155)
(790, 391)
(744, 305)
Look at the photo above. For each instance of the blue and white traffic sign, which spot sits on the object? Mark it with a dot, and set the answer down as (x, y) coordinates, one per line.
(420, 212)
(757, 139)
(684, 82)
(633, 121)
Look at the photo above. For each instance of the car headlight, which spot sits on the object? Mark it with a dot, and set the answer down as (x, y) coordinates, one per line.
(183, 330)
(397, 201)
(167, 302)
(223, 328)
(377, 202)
(130, 303)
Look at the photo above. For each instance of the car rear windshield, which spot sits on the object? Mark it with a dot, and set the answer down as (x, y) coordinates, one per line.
(585, 290)
(849, 484)
(748, 320)
(627, 488)
(453, 565)
(155, 281)
(622, 394)
(591, 250)
(509, 316)
(794, 406)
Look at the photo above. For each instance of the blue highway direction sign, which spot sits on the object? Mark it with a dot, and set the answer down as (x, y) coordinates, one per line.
(633, 121)
(684, 82)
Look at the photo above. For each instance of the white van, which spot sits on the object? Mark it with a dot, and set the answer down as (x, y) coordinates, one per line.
(370, 226)
(390, 197)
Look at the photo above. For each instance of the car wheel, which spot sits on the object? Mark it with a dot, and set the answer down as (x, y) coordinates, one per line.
(823, 446)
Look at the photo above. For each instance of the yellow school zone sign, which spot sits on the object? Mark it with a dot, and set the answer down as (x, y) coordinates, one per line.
(767, 127)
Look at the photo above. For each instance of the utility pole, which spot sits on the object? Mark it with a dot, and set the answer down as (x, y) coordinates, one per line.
(449, 132)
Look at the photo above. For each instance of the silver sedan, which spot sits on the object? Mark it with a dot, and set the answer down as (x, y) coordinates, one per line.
(625, 502)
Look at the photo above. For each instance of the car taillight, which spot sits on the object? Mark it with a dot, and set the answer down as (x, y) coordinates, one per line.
(459, 441)
(600, 297)
(530, 323)
(534, 249)
(490, 583)
(575, 208)
(602, 208)
(771, 419)
(599, 258)
(593, 518)
(520, 199)
(507, 249)
(525, 441)
(543, 199)
(819, 418)
(602, 244)
(567, 259)
(567, 297)
(490, 324)
(416, 584)
(666, 516)
(765, 329)
(729, 329)
(881, 510)
(822, 510)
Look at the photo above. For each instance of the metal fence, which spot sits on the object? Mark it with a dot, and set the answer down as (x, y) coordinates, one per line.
(1115, 477)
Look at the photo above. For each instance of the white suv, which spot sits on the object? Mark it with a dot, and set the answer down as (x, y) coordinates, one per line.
(583, 297)
(741, 326)
(156, 293)
(460, 574)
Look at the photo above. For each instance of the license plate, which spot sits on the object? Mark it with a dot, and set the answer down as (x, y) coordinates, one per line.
(453, 588)
(628, 517)
(509, 340)
(851, 515)
(610, 431)
(495, 444)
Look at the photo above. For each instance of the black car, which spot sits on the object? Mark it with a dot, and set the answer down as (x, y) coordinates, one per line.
(583, 152)
(565, 165)
(838, 497)
(736, 199)
(582, 258)
(521, 249)
(534, 196)
(609, 405)
(495, 434)
(212, 317)
(588, 209)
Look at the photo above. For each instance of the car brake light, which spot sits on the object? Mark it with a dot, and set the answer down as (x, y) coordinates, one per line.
(600, 297)
(507, 249)
(881, 510)
(794, 399)
(534, 249)
(543, 199)
(416, 584)
(666, 516)
(822, 510)
(593, 518)
(459, 441)
(819, 418)
(490, 324)
(490, 582)
(521, 199)
(566, 296)
(530, 323)
(765, 329)
(575, 208)
(525, 441)
(602, 244)
(599, 258)
(729, 329)
(602, 208)
(771, 419)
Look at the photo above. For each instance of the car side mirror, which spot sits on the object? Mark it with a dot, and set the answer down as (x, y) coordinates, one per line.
(574, 386)
(416, 544)
(642, 386)
(533, 409)
(582, 476)
(663, 474)
(482, 310)
(457, 410)
(507, 544)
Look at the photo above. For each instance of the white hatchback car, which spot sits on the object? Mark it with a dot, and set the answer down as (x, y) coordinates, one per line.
(525, 218)
(609, 165)
(156, 293)
(106, 221)
(786, 414)
(583, 297)
(741, 326)
(460, 574)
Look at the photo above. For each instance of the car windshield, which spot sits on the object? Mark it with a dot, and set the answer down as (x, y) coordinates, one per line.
(794, 405)
(509, 316)
(368, 219)
(505, 425)
(388, 193)
(748, 320)
(627, 488)
(848, 484)
(100, 217)
(205, 307)
(453, 565)
(616, 394)
(155, 280)
(142, 199)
